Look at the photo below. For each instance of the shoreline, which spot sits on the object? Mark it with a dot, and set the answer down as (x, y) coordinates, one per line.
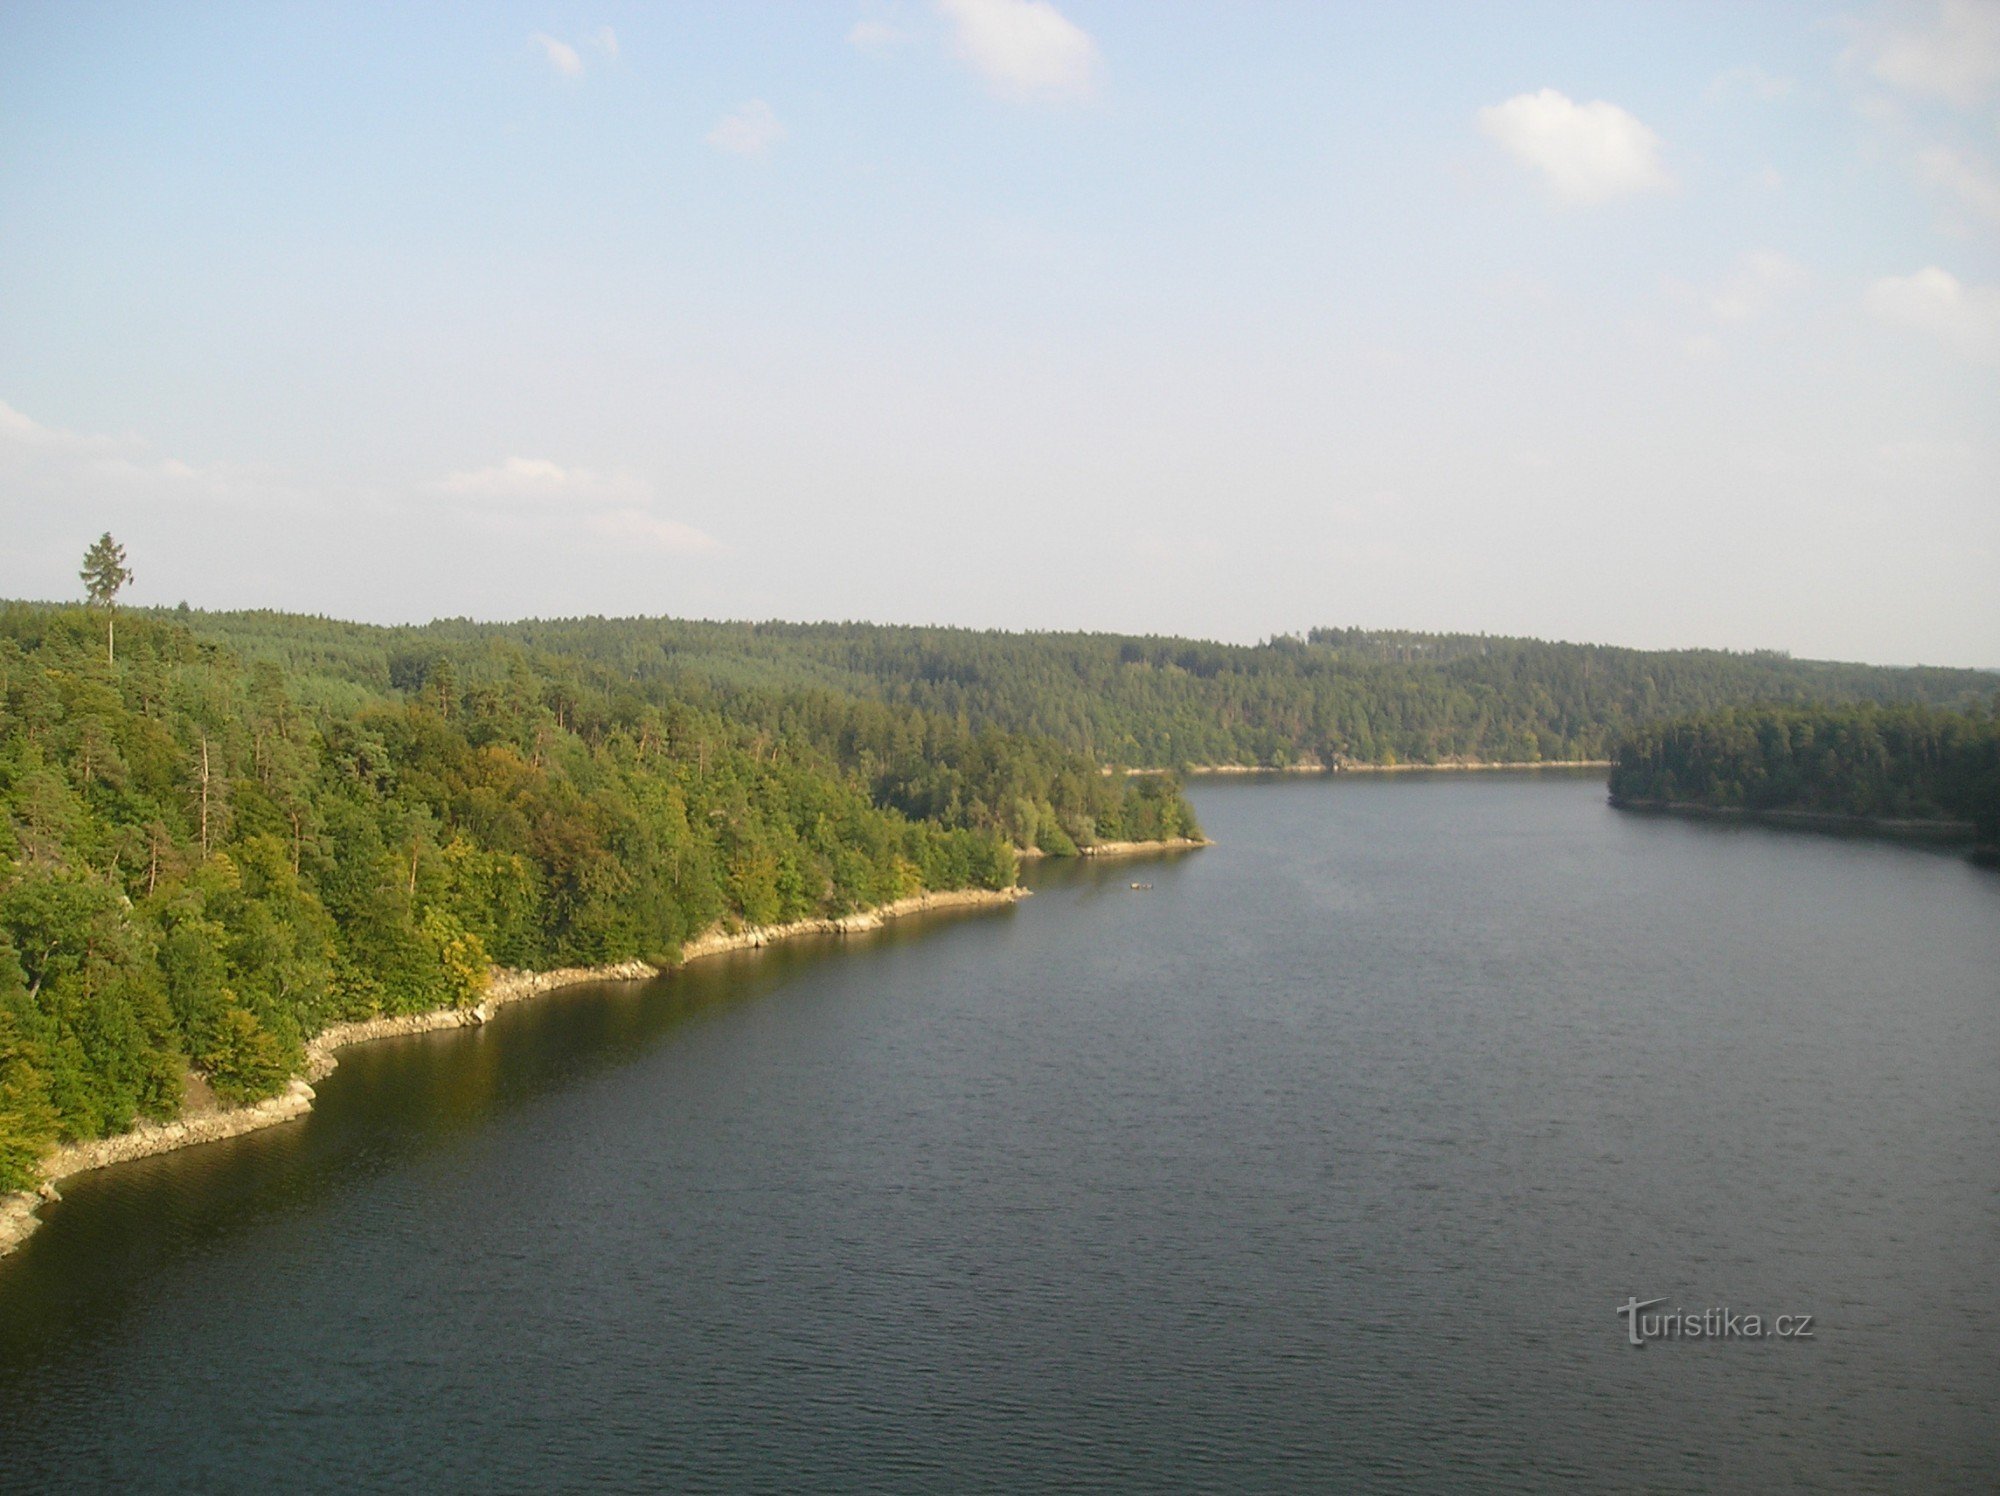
(19, 1215)
(1897, 828)
(1144, 848)
(1123, 848)
(1454, 766)
(1474, 766)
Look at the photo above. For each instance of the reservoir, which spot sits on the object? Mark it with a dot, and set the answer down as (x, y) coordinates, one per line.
(1325, 1161)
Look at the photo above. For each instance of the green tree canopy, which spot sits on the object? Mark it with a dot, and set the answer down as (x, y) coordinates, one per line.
(105, 575)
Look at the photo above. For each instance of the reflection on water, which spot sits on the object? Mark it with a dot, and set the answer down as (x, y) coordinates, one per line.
(387, 1103)
(1324, 1162)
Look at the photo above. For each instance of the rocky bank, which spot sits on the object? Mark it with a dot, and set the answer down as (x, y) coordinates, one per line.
(18, 1211)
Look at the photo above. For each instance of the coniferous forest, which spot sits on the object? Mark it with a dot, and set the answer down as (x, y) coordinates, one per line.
(1863, 761)
(1333, 696)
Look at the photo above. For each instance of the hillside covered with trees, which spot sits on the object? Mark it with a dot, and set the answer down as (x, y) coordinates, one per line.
(205, 859)
(1870, 761)
(1335, 696)
(223, 832)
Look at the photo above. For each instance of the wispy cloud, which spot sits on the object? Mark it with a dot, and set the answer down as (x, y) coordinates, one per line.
(516, 477)
(1584, 152)
(1936, 302)
(640, 528)
(564, 58)
(1759, 281)
(1944, 53)
(606, 41)
(529, 496)
(1755, 287)
(1953, 53)
(1024, 48)
(876, 36)
(51, 453)
(60, 487)
(1751, 81)
(751, 130)
(19, 428)
(1967, 178)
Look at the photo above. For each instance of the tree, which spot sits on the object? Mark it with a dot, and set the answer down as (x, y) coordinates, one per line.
(105, 575)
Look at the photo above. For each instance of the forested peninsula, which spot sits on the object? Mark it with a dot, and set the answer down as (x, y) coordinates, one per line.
(1919, 770)
(209, 856)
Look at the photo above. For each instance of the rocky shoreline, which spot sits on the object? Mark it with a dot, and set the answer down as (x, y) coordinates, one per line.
(1144, 848)
(1123, 848)
(18, 1211)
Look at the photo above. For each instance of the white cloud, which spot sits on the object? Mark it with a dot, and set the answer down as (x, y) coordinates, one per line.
(60, 488)
(1755, 287)
(1585, 152)
(1936, 302)
(637, 527)
(607, 42)
(517, 477)
(19, 427)
(49, 452)
(751, 131)
(875, 36)
(1966, 178)
(1954, 54)
(1757, 283)
(1024, 48)
(529, 496)
(561, 55)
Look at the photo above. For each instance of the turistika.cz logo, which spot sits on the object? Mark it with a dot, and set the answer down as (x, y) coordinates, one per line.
(1707, 1324)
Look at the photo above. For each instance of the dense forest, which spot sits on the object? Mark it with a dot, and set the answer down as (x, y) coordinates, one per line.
(1862, 760)
(242, 827)
(1332, 697)
(206, 858)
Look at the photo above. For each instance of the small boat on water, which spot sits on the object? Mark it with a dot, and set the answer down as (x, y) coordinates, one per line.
(1138, 887)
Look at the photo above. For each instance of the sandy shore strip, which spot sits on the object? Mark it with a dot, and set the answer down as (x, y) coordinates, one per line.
(18, 1218)
(1457, 766)
(1450, 766)
(1123, 848)
(1144, 848)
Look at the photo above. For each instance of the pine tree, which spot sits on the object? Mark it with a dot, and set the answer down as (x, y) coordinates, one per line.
(104, 575)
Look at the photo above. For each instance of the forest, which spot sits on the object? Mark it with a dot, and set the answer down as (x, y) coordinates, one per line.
(1331, 697)
(207, 855)
(1865, 760)
(224, 831)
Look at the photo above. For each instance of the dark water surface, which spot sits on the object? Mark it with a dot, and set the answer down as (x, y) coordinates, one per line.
(1324, 1163)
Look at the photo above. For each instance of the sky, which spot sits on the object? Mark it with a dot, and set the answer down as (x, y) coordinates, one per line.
(1659, 325)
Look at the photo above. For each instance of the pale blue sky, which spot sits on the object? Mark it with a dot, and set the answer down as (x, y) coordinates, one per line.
(1659, 325)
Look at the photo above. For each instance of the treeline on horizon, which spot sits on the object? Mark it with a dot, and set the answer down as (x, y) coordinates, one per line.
(207, 858)
(1334, 696)
(1859, 760)
(251, 825)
